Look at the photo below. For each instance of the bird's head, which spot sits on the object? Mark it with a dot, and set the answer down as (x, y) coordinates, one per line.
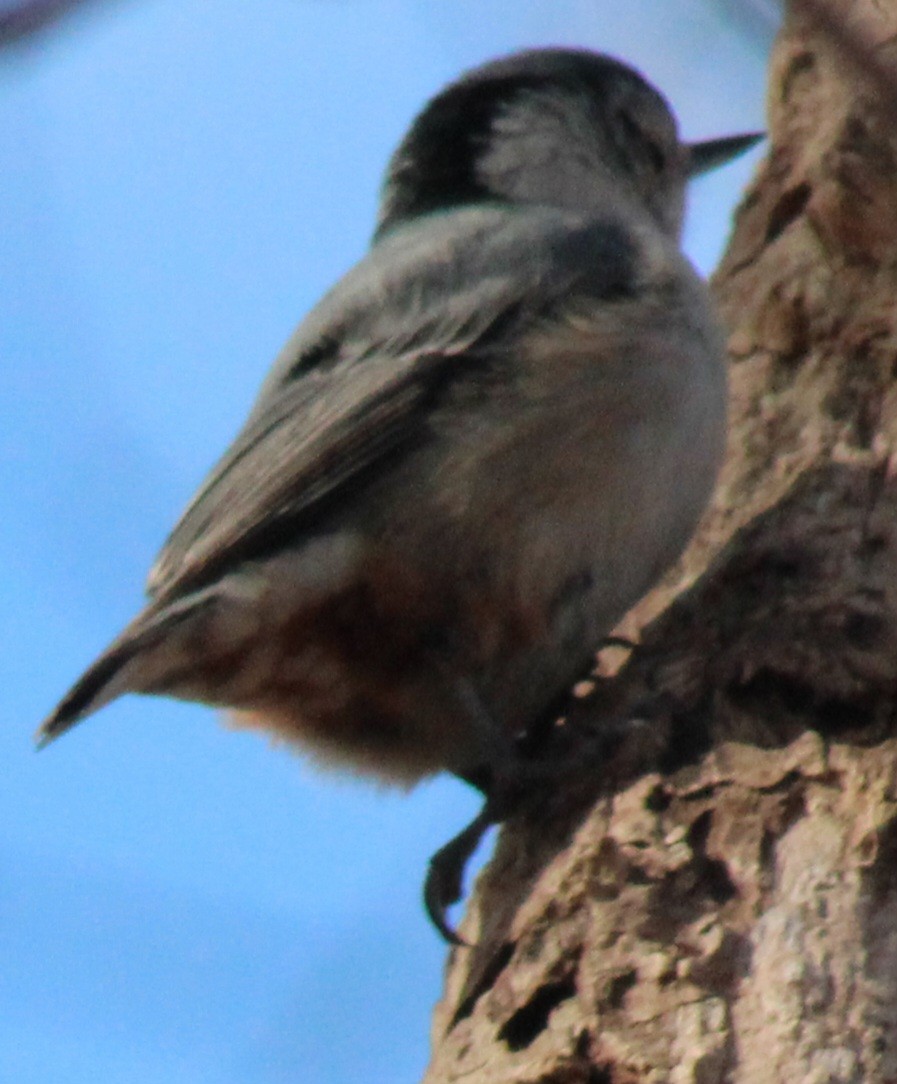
(565, 127)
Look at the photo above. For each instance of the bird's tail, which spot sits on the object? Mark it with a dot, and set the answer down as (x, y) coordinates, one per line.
(152, 655)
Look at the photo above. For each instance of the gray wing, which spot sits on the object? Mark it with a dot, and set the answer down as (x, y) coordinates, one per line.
(354, 384)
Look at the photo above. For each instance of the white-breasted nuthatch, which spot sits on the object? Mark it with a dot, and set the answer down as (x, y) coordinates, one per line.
(477, 452)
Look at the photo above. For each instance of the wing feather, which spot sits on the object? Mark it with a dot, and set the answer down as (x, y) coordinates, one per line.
(420, 310)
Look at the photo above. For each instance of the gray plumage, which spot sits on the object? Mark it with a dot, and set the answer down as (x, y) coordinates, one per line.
(475, 454)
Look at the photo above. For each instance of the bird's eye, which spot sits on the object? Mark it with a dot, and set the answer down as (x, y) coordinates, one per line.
(643, 142)
(655, 156)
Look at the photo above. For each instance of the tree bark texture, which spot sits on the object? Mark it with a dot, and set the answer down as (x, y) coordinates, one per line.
(711, 896)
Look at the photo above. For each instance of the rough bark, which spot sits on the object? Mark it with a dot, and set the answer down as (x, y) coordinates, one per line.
(713, 897)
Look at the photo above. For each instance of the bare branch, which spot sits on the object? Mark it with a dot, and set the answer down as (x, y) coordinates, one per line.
(21, 21)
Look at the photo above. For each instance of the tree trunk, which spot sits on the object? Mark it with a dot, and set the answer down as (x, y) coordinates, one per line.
(714, 897)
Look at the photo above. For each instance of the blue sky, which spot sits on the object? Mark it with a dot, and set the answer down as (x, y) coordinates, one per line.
(179, 182)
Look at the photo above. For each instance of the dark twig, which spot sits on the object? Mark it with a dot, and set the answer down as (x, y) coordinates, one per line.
(22, 20)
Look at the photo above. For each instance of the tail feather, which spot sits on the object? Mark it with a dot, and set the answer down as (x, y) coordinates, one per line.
(94, 689)
(129, 664)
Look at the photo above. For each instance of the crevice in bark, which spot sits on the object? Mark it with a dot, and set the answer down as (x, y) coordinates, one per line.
(522, 1028)
(488, 979)
(788, 209)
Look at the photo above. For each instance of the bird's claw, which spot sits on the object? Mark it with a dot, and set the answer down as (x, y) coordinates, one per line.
(444, 882)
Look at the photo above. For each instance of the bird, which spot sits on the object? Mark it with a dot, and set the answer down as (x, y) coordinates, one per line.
(475, 454)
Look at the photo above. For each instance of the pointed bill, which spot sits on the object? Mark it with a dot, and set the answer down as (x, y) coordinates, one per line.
(711, 153)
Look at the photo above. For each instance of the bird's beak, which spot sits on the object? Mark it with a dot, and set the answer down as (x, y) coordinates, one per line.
(716, 152)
